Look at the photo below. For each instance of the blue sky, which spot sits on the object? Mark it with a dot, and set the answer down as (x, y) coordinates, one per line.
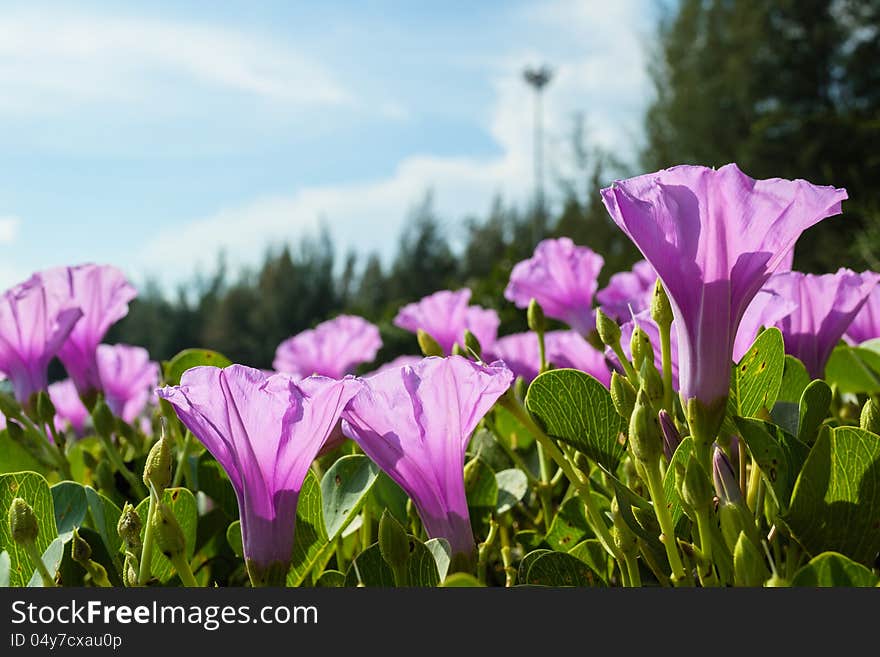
(151, 135)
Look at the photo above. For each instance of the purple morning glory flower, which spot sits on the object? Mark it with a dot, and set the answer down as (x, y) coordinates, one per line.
(562, 278)
(265, 431)
(628, 292)
(824, 308)
(714, 237)
(70, 412)
(415, 423)
(866, 325)
(103, 294)
(128, 377)
(445, 315)
(520, 353)
(333, 348)
(32, 330)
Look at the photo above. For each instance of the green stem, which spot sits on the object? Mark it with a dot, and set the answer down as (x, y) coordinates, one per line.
(147, 548)
(507, 557)
(632, 569)
(136, 484)
(37, 561)
(181, 565)
(181, 460)
(627, 366)
(752, 490)
(705, 568)
(666, 360)
(667, 537)
(366, 530)
(542, 350)
(580, 483)
(485, 547)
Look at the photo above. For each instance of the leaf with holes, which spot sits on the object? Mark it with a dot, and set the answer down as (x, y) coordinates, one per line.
(835, 505)
(577, 409)
(758, 375)
(833, 569)
(182, 504)
(34, 489)
(344, 489)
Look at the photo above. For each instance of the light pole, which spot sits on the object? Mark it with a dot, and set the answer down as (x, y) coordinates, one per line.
(538, 78)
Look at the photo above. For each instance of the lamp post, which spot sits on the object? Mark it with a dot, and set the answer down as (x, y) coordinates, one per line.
(538, 78)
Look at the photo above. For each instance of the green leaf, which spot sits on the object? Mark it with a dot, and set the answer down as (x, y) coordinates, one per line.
(530, 539)
(369, 569)
(512, 487)
(5, 569)
(511, 429)
(189, 358)
(71, 506)
(560, 569)
(311, 546)
(836, 501)
(854, 369)
(569, 526)
(233, 537)
(813, 409)
(386, 494)
(52, 557)
(527, 562)
(486, 446)
(15, 458)
(105, 517)
(442, 552)
(594, 555)
(421, 568)
(183, 505)
(461, 580)
(481, 489)
(34, 489)
(681, 456)
(214, 483)
(577, 409)
(344, 489)
(833, 569)
(779, 455)
(759, 374)
(331, 579)
(795, 379)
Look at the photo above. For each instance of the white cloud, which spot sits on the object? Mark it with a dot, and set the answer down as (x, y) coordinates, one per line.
(605, 79)
(52, 61)
(9, 229)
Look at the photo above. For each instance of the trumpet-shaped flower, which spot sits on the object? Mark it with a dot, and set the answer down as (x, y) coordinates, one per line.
(128, 377)
(415, 423)
(445, 315)
(265, 431)
(824, 308)
(333, 348)
(32, 330)
(714, 238)
(628, 292)
(562, 278)
(70, 412)
(866, 325)
(103, 293)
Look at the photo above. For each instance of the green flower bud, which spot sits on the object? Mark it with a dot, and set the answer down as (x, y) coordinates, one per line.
(733, 519)
(157, 469)
(749, 568)
(458, 350)
(661, 309)
(641, 348)
(471, 343)
(623, 395)
(393, 542)
(776, 581)
(102, 418)
(80, 550)
(595, 341)
(535, 316)
(624, 537)
(870, 417)
(167, 532)
(428, 345)
(130, 570)
(22, 522)
(651, 381)
(609, 331)
(129, 526)
(15, 430)
(8, 406)
(645, 438)
(45, 407)
(696, 490)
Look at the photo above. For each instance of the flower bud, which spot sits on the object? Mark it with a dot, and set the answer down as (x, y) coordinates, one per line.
(870, 417)
(671, 434)
(472, 344)
(749, 568)
(733, 519)
(458, 350)
(129, 526)
(45, 407)
(609, 331)
(725, 479)
(535, 317)
(157, 469)
(696, 491)
(393, 541)
(8, 406)
(167, 532)
(102, 418)
(641, 348)
(130, 570)
(651, 381)
(428, 345)
(80, 550)
(661, 309)
(623, 395)
(22, 522)
(15, 430)
(624, 537)
(644, 431)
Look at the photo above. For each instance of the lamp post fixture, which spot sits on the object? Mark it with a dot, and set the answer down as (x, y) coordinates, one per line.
(538, 78)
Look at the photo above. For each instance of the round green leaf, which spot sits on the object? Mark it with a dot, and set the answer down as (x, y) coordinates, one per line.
(560, 569)
(233, 537)
(71, 505)
(344, 489)
(833, 569)
(512, 487)
(189, 358)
